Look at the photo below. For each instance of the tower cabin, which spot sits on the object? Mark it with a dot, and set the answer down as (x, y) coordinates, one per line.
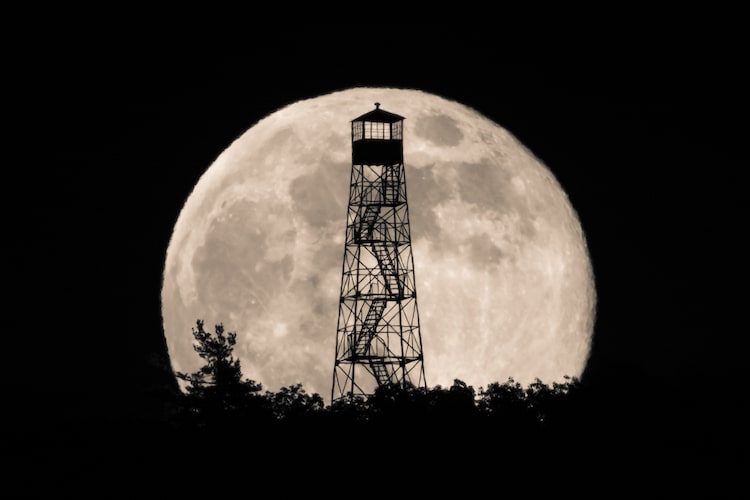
(377, 138)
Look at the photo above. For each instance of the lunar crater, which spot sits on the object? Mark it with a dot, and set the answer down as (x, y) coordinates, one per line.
(440, 130)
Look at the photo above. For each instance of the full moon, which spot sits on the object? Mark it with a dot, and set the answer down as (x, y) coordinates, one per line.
(504, 280)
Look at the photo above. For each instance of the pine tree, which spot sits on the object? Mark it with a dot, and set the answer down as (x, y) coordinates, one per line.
(218, 388)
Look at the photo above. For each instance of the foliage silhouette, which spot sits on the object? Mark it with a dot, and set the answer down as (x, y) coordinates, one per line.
(218, 401)
(458, 401)
(217, 389)
(392, 400)
(349, 410)
(506, 403)
(293, 402)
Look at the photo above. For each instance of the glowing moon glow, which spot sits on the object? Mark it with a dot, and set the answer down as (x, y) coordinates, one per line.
(504, 281)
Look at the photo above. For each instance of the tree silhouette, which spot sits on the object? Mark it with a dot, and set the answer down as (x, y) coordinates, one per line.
(547, 404)
(394, 402)
(293, 402)
(349, 409)
(507, 403)
(218, 389)
(455, 402)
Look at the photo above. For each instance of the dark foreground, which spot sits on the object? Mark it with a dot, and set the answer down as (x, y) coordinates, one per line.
(588, 444)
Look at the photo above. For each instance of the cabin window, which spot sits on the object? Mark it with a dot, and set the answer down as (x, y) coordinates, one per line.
(396, 130)
(377, 130)
(357, 131)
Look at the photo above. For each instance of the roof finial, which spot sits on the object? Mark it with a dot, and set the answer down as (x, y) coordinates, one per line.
(377, 105)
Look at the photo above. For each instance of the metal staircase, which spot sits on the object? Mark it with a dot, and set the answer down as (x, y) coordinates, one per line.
(369, 327)
(381, 372)
(373, 199)
(366, 223)
(367, 335)
(390, 186)
(387, 269)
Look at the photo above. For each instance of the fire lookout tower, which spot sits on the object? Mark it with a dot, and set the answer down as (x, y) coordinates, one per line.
(378, 341)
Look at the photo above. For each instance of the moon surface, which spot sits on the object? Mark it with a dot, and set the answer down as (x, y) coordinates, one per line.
(504, 280)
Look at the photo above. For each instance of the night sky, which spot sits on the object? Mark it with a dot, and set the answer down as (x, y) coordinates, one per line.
(645, 142)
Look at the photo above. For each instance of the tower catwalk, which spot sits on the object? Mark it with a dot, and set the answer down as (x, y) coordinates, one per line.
(378, 340)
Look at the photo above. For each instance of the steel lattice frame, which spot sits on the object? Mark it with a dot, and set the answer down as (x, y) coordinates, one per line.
(378, 340)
